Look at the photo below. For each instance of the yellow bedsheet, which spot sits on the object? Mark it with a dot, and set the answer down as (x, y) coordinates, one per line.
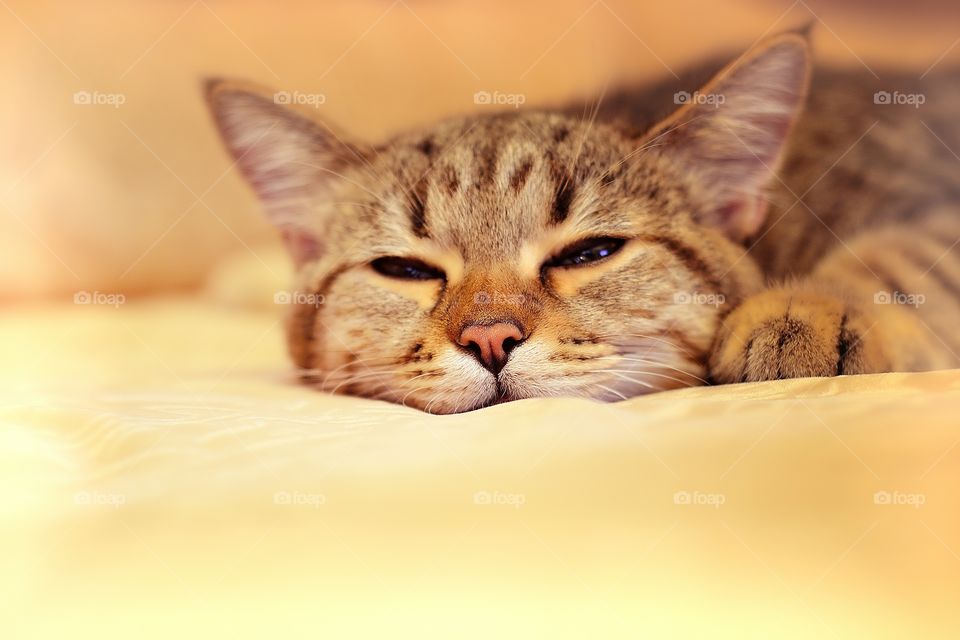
(163, 477)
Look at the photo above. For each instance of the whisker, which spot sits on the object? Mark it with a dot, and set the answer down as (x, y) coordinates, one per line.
(655, 139)
(360, 376)
(357, 361)
(428, 374)
(620, 375)
(403, 401)
(656, 338)
(593, 117)
(619, 372)
(617, 393)
(655, 363)
(376, 196)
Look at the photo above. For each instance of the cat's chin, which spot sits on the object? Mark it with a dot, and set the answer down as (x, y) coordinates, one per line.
(503, 395)
(497, 395)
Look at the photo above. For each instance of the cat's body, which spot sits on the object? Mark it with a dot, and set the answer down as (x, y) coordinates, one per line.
(611, 252)
(866, 200)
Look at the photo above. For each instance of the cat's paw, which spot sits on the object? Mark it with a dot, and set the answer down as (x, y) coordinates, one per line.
(782, 333)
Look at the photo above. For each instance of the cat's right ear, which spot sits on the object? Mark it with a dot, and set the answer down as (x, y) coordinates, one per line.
(287, 157)
(731, 135)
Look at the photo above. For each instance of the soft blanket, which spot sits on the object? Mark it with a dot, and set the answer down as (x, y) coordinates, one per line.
(164, 476)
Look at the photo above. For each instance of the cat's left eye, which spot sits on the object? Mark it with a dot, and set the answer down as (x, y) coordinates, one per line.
(586, 251)
(406, 269)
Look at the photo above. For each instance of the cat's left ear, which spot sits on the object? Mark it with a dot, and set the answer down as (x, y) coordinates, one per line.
(730, 135)
(290, 159)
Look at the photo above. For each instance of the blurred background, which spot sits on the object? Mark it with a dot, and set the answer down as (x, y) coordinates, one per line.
(113, 180)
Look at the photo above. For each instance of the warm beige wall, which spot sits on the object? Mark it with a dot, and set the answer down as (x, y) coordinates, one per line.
(96, 197)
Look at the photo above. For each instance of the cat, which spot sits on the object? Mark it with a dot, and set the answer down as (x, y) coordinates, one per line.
(772, 223)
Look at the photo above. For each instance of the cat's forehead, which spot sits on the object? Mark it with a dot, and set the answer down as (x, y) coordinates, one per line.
(485, 185)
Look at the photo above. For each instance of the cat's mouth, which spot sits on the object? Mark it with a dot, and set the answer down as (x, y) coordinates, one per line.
(503, 395)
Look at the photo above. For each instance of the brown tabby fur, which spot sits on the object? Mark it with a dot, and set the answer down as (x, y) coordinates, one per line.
(762, 235)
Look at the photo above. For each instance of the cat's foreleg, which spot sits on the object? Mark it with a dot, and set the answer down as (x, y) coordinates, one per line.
(885, 301)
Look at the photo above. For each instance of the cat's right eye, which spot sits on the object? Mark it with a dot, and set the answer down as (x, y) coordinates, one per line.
(406, 269)
(586, 251)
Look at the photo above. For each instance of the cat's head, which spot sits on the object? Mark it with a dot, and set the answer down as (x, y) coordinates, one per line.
(520, 254)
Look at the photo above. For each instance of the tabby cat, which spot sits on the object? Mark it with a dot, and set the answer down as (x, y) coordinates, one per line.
(765, 226)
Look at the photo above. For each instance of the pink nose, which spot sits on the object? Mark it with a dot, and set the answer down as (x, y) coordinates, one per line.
(492, 343)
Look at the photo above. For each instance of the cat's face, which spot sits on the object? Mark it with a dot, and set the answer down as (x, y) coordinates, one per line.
(500, 257)
(530, 220)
